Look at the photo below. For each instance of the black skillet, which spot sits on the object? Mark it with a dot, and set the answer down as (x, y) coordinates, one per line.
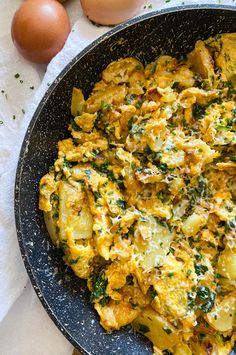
(63, 295)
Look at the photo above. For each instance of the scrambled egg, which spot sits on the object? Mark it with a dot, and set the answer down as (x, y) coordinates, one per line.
(142, 197)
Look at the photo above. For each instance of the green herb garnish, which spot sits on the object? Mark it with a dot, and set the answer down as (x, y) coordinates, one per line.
(143, 328)
(121, 203)
(105, 105)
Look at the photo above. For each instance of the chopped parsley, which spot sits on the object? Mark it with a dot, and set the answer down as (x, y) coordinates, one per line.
(198, 111)
(200, 269)
(105, 105)
(104, 169)
(97, 195)
(167, 330)
(129, 280)
(130, 98)
(74, 125)
(136, 129)
(67, 164)
(99, 286)
(130, 123)
(201, 299)
(200, 191)
(231, 89)
(63, 245)
(152, 292)
(163, 167)
(138, 104)
(121, 203)
(143, 328)
(154, 66)
(55, 197)
(189, 271)
(74, 261)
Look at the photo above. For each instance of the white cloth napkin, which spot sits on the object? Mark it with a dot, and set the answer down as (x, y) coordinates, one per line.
(25, 328)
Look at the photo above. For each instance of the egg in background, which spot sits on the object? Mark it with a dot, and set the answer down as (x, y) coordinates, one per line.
(39, 29)
(110, 12)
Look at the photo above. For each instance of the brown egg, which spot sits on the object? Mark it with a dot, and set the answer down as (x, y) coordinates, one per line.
(110, 12)
(39, 29)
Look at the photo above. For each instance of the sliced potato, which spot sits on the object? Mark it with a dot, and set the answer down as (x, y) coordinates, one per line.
(193, 224)
(115, 315)
(227, 264)
(74, 214)
(152, 242)
(157, 329)
(77, 102)
(201, 61)
(225, 60)
(222, 317)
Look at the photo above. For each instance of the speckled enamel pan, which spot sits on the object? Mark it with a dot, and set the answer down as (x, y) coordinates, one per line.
(63, 295)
